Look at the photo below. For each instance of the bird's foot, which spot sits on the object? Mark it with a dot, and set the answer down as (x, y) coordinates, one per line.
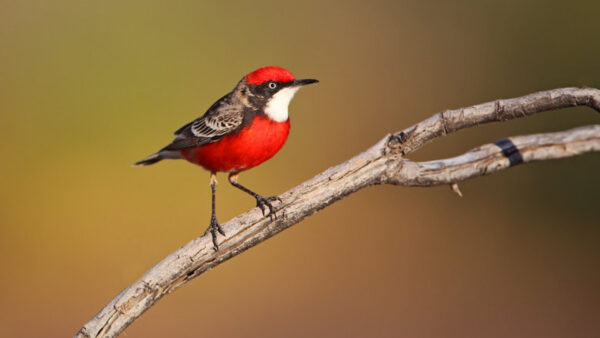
(265, 202)
(215, 227)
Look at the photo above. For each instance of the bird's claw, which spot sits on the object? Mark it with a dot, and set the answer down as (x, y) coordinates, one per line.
(215, 227)
(263, 202)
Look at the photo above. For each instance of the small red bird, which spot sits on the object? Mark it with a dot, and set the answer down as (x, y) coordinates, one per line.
(240, 131)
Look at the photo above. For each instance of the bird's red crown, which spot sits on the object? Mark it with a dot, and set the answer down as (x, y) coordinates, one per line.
(270, 73)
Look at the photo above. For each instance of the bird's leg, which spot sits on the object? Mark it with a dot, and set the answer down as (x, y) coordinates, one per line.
(261, 201)
(214, 224)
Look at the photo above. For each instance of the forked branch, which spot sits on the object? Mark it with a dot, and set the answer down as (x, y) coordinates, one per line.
(383, 163)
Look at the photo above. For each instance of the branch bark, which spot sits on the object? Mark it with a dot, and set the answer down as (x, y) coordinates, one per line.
(383, 163)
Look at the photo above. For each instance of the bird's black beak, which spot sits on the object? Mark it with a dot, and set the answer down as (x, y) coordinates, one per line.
(303, 82)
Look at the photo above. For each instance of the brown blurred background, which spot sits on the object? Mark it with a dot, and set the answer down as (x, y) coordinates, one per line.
(87, 88)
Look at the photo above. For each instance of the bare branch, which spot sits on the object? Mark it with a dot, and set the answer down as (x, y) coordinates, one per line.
(383, 163)
(500, 110)
(493, 157)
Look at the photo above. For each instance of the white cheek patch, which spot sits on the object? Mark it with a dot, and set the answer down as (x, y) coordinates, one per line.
(277, 107)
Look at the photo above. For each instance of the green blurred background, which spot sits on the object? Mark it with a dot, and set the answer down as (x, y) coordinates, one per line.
(89, 87)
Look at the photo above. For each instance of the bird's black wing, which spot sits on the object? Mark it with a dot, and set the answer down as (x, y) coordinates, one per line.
(222, 117)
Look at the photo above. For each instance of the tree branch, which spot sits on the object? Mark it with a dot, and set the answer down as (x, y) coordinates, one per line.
(383, 163)
(493, 157)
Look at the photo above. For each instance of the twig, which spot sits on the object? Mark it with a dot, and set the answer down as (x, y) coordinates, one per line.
(383, 163)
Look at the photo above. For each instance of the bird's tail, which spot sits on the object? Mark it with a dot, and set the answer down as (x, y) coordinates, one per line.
(149, 160)
(161, 155)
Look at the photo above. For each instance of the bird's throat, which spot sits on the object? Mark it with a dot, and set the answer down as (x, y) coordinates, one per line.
(277, 107)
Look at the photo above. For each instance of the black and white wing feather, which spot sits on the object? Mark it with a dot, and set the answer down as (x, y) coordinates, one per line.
(222, 118)
(213, 125)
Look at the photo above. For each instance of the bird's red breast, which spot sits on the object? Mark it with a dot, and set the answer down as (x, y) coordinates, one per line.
(248, 148)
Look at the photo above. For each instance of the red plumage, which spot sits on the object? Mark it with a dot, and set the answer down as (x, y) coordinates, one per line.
(270, 73)
(246, 149)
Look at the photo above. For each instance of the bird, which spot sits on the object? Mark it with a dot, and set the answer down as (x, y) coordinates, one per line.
(241, 130)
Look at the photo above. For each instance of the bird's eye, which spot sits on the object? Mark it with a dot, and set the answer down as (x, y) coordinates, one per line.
(272, 85)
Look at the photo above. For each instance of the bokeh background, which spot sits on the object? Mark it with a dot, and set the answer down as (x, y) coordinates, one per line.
(88, 87)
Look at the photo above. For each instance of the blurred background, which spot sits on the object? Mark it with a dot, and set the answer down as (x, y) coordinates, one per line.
(87, 88)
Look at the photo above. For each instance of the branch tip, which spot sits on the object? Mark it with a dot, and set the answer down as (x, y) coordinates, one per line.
(456, 189)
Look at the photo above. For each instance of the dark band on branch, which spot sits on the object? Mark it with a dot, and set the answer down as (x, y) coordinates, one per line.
(510, 150)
